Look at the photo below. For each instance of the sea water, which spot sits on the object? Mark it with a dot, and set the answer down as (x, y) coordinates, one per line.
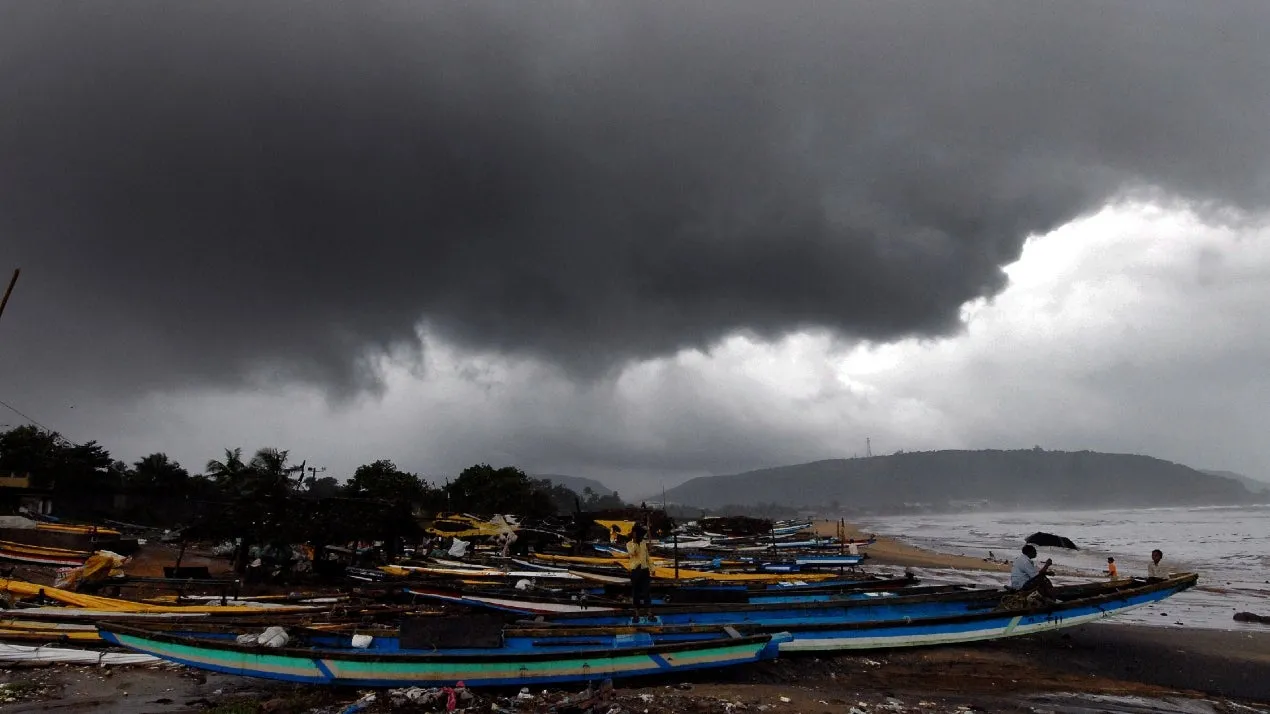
(1228, 546)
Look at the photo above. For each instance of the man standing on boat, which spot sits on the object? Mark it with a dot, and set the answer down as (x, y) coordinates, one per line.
(641, 571)
(1025, 577)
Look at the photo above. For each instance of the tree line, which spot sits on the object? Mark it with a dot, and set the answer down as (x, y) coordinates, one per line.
(265, 496)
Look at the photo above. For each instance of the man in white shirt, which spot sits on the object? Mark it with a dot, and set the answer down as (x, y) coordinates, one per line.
(1026, 577)
(1155, 570)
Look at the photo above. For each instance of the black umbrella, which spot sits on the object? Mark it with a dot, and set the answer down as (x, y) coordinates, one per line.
(1051, 540)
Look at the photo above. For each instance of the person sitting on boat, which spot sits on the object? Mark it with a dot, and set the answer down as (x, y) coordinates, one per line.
(615, 535)
(1155, 570)
(1111, 568)
(1025, 577)
(641, 571)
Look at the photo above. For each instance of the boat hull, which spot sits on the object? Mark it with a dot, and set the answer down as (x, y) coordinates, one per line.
(41, 555)
(444, 668)
(925, 632)
(909, 622)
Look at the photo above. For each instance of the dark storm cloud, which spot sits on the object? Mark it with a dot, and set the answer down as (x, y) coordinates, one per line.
(199, 191)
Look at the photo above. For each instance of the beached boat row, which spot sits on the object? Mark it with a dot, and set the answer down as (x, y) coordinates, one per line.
(584, 646)
(487, 618)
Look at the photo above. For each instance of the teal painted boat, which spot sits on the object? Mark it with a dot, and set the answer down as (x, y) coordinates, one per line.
(607, 654)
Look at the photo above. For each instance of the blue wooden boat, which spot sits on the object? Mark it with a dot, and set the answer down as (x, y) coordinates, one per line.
(601, 601)
(480, 657)
(908, 621)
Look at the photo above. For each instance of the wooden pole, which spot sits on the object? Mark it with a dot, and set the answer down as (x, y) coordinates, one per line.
(842, 538)
(9, 291)
(676, 541)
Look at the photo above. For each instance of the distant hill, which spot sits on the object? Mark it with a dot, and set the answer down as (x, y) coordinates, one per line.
(577, 483)
(953, 480)
(1249, 483)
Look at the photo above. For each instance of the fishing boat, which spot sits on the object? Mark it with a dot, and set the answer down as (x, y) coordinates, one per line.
(452, 652)
(78, 529)
(42, 555)
(42, 602)
(664, 569)
(900, 621)
(550, 602)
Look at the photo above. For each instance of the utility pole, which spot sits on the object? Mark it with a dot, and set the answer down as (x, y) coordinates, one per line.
(8, 291)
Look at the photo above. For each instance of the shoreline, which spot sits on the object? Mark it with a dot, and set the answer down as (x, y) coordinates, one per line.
(890, 551)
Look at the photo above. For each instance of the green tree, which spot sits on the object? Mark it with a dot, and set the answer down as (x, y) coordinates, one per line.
(86, 466)
(54, 462)
(271, 463)
(260, 504)
(325, 487)
(563, 499)
(228, 471)
(383, 480)
(30, 450)
(485, 490)
(592, 501)
(158, 474)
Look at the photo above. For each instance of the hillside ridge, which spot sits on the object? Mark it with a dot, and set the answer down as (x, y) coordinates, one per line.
(577, 483)
(1019, 479)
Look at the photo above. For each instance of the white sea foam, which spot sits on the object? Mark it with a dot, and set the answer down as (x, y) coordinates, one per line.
(1227, 546)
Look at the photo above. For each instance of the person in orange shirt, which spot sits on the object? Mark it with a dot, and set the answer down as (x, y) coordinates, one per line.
(1111, 568)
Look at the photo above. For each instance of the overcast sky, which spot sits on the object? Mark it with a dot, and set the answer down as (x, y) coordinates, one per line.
(639, 242)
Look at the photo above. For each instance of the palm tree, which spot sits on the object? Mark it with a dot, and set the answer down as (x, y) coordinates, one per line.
(270, 462)
(157, 471)
(228, 470)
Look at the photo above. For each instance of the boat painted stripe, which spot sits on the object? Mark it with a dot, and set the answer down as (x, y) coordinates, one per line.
(595, 665)
(661, 661)
(326, 671)
(276, 664)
